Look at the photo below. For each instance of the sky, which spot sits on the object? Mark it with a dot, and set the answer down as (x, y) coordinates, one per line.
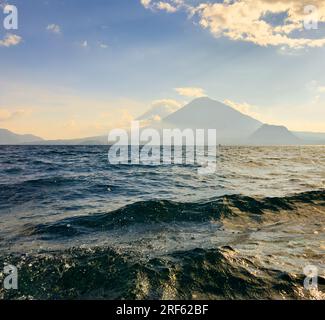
(77, 68)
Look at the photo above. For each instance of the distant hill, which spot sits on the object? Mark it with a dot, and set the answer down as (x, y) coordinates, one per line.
(232, 126)
(204, 113)
(7, 138)
(311, 137)
(273, 135)
(88, 141)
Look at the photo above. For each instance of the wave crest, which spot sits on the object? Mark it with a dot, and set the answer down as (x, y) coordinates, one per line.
(163, 211)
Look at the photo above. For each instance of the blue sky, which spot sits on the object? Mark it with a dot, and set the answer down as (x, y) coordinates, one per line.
(83, 67)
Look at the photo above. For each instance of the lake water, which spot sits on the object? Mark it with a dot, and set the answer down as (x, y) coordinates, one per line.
(79, 227)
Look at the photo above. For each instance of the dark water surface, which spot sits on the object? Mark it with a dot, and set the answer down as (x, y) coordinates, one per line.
(78, 227)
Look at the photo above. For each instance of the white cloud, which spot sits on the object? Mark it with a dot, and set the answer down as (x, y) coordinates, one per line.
(305, 117)
(160, 109)
(10, 40)
(54, 28)
(315, 87)
(191, 92)
(6, 115)
(246, 20)
(103, 45)
(296, 52)
(166, 6)
(245, 108)
(172, 104)
(59, 112)
(170, 6)
(145, 3)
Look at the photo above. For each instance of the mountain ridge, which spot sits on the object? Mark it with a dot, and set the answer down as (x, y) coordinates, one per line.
(8, 137)
(232, 126)
(273, 135)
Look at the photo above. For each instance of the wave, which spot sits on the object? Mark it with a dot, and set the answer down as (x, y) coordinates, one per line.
(103, 273)
(164, 211)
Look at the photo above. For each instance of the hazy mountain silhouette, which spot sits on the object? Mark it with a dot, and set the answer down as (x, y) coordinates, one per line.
(311, 137)
(205, 113)
(158, 112)
(7, 137)
(87, 141)
(273, 135)
(232, 126)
